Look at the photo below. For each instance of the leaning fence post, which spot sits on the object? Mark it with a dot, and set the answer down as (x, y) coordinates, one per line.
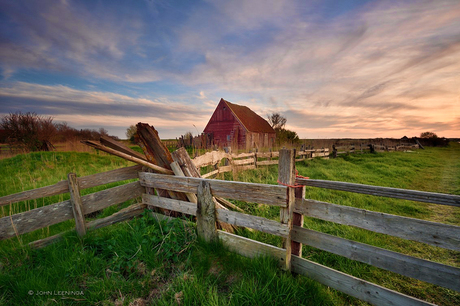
(206, 213)
(286, 176)
(77, 206)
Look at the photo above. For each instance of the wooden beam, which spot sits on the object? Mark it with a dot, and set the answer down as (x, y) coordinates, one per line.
(286, 176)
(120, 147)
(358, 288)
(412, 195)
(77, 206)
(436, 234)
(206, 213)
(136, 160)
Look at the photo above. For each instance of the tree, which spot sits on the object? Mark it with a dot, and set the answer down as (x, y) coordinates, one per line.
(131, 132)
(428, 135)
(277, 121)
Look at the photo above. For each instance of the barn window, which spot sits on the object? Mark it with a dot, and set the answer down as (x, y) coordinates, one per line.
(228, 137)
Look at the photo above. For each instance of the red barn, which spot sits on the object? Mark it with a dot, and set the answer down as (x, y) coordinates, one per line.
(239, 127)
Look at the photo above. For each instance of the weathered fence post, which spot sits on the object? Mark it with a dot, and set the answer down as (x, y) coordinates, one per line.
(77, 206)
(286, 176)
(206, 213)
(255, 158)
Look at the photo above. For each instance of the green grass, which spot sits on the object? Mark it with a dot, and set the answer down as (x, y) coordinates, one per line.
(433, 169)
(165, 264)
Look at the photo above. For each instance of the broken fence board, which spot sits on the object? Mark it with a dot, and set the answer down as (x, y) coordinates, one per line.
(250, 192)
(425, 270)
(436, 234)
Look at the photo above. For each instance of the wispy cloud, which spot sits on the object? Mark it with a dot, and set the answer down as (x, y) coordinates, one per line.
(381, 67)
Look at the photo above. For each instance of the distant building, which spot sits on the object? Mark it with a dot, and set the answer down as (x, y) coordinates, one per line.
(239, 127)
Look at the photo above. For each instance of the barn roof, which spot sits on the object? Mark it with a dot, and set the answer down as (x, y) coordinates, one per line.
(250, 120)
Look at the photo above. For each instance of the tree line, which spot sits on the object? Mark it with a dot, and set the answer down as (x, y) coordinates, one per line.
(31, 132)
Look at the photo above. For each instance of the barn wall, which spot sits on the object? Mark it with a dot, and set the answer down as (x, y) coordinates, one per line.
(223, 125)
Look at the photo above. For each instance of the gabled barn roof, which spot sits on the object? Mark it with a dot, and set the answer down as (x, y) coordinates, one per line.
(250, 120)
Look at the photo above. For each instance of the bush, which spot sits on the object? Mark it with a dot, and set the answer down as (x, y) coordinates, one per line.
(29, 131)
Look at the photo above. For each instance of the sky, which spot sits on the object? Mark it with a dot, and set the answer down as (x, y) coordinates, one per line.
(333, 69)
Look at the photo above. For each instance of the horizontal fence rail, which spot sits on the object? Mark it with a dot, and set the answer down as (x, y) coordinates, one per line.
(425, 270)
(433, 233)
(250, 192)
(412, 195)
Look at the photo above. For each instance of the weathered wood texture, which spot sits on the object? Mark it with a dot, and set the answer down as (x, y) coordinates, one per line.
(157, 153)
(206, 213)
(297, 221)
(63, 186)
(136, 160)
(425, 270)
(178, 172)
(412, 195)
(55, 213)
(251, 248)
(361, 289)
(118, 146)
(122, 215)
(437, 234)
(286, 176)
(350, 285)
(77, 206)
(254, 222)
(250, 192)
(230, 217)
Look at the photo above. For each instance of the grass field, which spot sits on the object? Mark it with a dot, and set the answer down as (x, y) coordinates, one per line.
(158, 263)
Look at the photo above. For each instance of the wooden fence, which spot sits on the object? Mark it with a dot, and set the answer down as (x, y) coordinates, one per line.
(289, 196)
(293, 206)
(77, 207)
(366, 148)
(245, 161)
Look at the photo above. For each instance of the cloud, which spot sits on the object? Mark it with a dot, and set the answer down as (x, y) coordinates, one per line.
(87, 108)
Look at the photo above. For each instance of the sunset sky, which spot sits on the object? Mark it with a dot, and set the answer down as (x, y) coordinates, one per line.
(334, 69)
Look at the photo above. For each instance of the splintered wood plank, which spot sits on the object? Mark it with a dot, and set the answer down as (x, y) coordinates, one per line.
(250, 192)
(118, 146)
(139, 161)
